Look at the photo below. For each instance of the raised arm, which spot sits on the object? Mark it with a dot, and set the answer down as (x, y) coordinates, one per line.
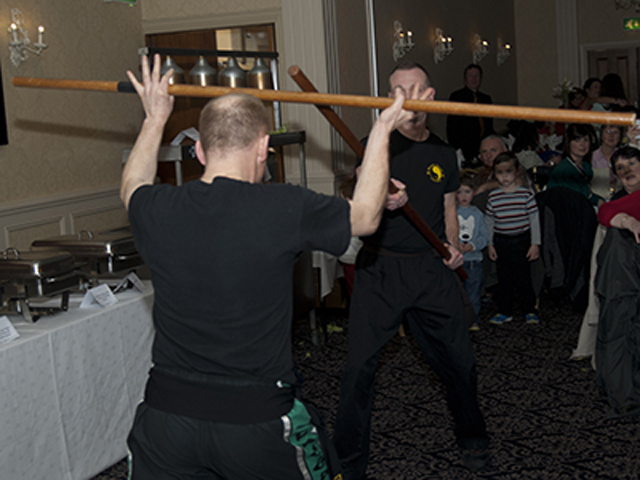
(142, 163)
(373, 175)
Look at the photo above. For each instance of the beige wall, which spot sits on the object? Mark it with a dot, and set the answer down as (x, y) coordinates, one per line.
(62, 141)
(535, 52)
(153, 10)
(460, 20)
(600, 22)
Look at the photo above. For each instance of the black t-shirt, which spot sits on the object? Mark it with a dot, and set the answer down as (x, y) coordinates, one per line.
(221, 257)
(429, 169)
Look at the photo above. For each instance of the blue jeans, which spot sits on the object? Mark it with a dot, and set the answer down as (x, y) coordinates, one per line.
(473, 284)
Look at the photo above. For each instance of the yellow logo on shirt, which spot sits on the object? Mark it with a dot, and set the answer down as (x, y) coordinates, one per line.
(435, 173)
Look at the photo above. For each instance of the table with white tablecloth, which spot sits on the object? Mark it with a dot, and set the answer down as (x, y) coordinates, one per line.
(69, 387)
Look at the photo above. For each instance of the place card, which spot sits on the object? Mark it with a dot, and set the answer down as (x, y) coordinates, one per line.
(101, 295)
(134, 280)
(7, 330)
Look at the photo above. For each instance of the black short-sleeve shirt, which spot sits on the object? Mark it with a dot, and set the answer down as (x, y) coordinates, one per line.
(221, 257)
(429, 169)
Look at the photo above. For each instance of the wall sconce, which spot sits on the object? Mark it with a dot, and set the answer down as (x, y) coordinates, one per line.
(442, 46)
(19, 43)
(480, 48)
(504, 51)
(402, 43)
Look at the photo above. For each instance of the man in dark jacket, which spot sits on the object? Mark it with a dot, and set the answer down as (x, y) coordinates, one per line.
(466, 132)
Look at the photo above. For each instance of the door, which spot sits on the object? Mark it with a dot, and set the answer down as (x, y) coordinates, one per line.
(623, 61)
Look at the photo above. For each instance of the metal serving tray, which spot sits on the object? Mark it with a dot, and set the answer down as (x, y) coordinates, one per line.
(15, 265)
(85, 244)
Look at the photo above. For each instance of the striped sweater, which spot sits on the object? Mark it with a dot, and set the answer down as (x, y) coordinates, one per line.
(512, 213)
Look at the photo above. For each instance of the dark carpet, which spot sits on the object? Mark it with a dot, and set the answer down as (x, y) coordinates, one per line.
(543, 410)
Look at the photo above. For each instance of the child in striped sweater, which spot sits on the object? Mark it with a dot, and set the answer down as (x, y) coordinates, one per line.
(513, 224)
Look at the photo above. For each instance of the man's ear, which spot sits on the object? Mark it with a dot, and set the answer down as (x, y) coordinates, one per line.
(431, 93)
(263, 148)
(200, 153)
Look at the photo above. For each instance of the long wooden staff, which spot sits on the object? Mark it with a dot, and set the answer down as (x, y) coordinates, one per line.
(361, 101)
(305, 84)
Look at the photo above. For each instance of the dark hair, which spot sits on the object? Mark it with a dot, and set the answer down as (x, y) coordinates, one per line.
(575, 92)
(469, 178)
(470, 66)
(347, 187)
(626, 153)
(505, 157)
(612, 86)
(409, 65)
(526, 136)
(576, 131)
(590, 81)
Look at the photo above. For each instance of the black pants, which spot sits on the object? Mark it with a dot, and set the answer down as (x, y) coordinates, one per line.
(386, 289)
(514, 273)
(164, 446)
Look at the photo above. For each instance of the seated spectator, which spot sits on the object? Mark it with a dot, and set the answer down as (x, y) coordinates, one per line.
(575, 170)
(525, 145)
(604, 181)
(618, 285)
(592, 89)
(612, 96)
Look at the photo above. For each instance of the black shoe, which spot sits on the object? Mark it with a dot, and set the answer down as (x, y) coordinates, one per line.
(474, 459)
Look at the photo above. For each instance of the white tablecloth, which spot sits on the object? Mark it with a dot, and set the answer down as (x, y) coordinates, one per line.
(589, 329)
(69, 386)
(329, 268)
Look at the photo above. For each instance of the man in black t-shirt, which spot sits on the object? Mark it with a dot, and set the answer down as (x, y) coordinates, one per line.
(219, 401)
(399, 275)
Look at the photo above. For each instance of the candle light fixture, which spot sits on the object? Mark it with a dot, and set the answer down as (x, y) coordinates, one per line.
(480, 48)
(442, 46)
(403, 42)
(19, 42)
(504, 51)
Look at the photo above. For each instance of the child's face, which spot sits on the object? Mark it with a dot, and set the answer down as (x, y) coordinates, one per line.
(464, 195)
(505, 174)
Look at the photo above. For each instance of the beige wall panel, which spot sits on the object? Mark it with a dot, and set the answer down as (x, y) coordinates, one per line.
(600, 22)
(21, 237)
(61, 141)
(163, 9)
(101, 221)
(535, 50)
(460, 20)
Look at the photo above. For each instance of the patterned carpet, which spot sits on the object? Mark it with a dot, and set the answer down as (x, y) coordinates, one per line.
(543, 411)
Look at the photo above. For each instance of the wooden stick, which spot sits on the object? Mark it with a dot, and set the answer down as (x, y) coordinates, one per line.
(414, 217)
(359, 101)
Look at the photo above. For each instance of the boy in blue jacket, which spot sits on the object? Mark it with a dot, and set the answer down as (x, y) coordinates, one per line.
(473, 237)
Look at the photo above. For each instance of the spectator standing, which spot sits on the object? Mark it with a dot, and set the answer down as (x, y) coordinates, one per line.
(473, 238)
(514, 240)
(465, 132)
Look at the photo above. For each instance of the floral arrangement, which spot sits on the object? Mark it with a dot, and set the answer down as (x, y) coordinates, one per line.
(562, 91)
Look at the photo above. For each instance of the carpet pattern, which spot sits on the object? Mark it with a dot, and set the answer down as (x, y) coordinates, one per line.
(544, 413)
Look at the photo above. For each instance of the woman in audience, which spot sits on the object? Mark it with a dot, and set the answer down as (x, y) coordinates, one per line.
(618, 285)
(604, 181)
(575, 170)
(612, 96)
(591, 88)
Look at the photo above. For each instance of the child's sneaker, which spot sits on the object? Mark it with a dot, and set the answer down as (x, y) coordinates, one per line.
(532, 318)
(475, 327)
(499, 319)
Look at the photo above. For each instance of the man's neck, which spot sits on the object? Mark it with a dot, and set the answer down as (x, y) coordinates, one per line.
(417, 132)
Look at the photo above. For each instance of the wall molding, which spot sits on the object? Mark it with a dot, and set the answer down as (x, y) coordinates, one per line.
(61, 209)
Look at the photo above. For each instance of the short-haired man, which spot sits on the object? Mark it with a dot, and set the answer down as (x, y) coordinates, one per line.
(398, 275)
(219, 401)
(465, 132)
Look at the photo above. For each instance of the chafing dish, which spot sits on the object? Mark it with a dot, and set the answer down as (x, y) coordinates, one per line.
(30, 275)
(100, 255)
